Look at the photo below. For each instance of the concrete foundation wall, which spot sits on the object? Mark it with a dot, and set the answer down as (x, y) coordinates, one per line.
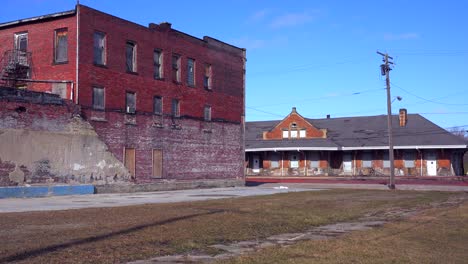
(48, 144)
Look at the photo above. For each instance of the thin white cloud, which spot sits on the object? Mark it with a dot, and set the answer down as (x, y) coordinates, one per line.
(249, 43)
(292, 19)
(259, 15)
(403, 36)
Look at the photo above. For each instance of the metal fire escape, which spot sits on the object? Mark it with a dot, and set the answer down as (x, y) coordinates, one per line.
(15, 68)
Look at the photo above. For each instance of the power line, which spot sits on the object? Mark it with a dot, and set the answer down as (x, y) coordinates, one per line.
(422, 98)
(326, 97)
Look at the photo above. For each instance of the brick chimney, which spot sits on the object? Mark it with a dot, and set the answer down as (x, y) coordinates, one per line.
(294, 110)
(403, 117)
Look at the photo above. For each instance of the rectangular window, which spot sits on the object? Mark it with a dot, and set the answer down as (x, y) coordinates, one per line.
(130, 103)
(21, 42)
(274, 158)
(176, 68)
(302, 133)
(207, 113)
(175, 108)
(61, 45)
(207, 76)
(313, 160)
(285, 134)
(157, 105)
(191, 72)
(386, 160)
(130, 56)
(99, 46)
(409, 158)
(293, 133)
(98, 98)
(158, 74)
(367, 159)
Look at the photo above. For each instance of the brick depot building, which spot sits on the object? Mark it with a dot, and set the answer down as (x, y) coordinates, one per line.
(351, 146)
(168, 105)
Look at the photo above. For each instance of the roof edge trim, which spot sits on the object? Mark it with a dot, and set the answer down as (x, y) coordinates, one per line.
(37, 18)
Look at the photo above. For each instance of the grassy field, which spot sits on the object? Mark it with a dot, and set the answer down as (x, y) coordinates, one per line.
(435, 236)
(110, 235)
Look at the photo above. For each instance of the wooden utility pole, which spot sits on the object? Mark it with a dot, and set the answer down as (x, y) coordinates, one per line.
(385, 70)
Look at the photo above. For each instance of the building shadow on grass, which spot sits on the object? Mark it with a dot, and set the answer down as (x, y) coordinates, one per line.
(45, 250)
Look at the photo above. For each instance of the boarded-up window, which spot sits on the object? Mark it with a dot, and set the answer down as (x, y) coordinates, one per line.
(191, 72)
(157, 105)
(175, 111)
(314, 158)
(207, 76)
(60, 89)
(386, 161)
(409, 158)
(274, 159)
(157, 163)
(207, 113)
(285, 134)
(130, 160)
(130, 56)
(130, 102)
(176, 68)
(367, 159)
(158, 64)
(99, 46)
(61, 45)
(98, 98)
(302, 133)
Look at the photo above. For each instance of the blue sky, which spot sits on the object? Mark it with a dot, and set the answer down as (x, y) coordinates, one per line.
(320, 56)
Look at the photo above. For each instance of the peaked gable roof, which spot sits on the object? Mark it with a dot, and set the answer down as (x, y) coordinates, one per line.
(364, 132)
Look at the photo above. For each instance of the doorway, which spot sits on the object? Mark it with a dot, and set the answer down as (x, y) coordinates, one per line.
(431, 164)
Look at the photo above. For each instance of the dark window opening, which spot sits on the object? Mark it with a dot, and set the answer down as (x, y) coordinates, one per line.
(98, 98)
(157, 105)
(191, 72)
(130, 56)
(130, 103)
(61, 46)
(175, 108)
(176, 68)
(99, 46)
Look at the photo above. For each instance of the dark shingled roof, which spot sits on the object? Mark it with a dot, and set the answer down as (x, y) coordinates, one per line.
(359, 132)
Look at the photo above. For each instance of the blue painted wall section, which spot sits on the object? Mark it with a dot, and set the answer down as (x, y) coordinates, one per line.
(42, 191)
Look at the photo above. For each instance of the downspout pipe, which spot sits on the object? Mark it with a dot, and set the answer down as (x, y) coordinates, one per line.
(77, 59)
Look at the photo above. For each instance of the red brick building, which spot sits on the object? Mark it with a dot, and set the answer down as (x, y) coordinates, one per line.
(351, 146)
(168, 105)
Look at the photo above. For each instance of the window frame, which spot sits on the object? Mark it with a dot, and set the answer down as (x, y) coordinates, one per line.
(94, 106)
(158, 65)
(127, 106)
(56, 45)
(191, 72)
(160, 106)
(410, 162)
(207, 113)
(17, 43)
(285, 133)
(102, 50)
(207, 76)
(175, 67)
(134, 47)
(175, 111)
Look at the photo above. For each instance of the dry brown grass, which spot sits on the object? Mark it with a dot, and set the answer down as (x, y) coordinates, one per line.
(434, 236)
(119, 234)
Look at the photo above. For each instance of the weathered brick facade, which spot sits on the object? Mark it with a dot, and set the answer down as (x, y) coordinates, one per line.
(192, 146)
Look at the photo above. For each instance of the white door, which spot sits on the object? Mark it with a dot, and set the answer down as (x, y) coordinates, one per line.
(294, 159)
(256, 164)
(431, 164)
(347, 163)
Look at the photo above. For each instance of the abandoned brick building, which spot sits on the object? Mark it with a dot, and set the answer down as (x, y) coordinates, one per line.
(167, 105)
(351, 146)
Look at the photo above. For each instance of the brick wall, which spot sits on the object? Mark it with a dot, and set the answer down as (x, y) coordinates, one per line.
(41, 45)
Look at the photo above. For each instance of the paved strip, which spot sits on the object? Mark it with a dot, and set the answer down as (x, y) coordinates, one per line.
(123, 199)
